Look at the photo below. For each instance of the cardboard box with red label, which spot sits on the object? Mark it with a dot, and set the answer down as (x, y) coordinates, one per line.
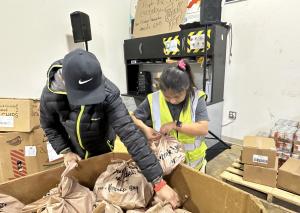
(22, 153)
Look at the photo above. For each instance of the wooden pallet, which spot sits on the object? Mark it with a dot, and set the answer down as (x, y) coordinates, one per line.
(234, 174)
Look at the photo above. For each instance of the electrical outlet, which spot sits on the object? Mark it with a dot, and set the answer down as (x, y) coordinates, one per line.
(232, 115)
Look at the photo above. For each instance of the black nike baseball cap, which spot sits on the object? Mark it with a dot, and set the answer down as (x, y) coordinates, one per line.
(83, 78)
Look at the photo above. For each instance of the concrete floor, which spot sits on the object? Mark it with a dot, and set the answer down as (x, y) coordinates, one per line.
(216, 166)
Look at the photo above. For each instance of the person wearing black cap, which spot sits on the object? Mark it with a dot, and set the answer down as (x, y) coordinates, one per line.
(82, 111)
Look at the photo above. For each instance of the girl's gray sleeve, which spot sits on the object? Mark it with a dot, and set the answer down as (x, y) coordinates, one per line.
(201, 110)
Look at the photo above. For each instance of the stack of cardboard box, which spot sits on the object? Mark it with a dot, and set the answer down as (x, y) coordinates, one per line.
(23, 144)
(261, 165)
(260, 161)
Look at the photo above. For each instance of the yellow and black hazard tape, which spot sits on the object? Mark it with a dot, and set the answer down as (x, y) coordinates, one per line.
(167, 42)
(198, 33)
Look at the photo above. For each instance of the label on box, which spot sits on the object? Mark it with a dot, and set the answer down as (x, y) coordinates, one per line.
(171, 45)
(7, 121)
(260, 159)
(197, 42)
(30, 151)
(51, 153)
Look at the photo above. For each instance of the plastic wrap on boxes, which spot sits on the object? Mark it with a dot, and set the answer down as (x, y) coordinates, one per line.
(279, 154)
(296, 147)
(296, 156)
(297, 136)
(284, 122)
(284, 146)
(287, 147)
(285, 155)
(273, 131)
(284, 133)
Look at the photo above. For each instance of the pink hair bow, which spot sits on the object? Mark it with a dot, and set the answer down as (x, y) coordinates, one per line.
(182, 65)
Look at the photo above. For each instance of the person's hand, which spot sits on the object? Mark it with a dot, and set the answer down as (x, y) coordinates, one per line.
(166, 193)
(151, 134)
(167, 128)
(69, 157)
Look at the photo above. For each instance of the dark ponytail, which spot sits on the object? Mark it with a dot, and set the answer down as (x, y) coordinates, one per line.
(186, 67)
(178, 77)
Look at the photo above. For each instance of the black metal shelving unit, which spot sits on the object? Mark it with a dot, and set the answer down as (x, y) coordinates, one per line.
(141, 51)
(151, 50)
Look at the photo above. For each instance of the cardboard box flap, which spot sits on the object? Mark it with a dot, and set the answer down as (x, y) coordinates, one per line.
(292, 166)
(203, 192)
(259, 142)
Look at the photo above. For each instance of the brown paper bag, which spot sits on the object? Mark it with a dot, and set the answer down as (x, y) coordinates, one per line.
(9, 204)
(169, 152)
(123, 184)
(160, 206)
(165, 208)
(181, 211)
(68, 197)
(136, 211)
(105, 207)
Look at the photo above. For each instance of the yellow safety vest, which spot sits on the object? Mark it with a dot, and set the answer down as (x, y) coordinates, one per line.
(195, 147)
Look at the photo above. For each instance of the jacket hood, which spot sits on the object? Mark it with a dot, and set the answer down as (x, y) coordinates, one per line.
(55, 81)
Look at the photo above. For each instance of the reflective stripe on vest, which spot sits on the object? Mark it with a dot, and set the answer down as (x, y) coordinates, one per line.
(156, 112)
(196, 163)
(195, 147)
(192, 146)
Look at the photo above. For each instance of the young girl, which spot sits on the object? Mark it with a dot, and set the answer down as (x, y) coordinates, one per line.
(177, 109)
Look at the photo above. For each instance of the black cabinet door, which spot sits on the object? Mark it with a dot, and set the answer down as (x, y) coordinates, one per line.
(193, 41)
(143, 48)
(152, 47)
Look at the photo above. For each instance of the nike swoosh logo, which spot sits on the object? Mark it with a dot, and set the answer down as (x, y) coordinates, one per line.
(84, 82)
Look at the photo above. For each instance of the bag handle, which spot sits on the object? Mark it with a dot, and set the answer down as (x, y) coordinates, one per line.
(69, 168)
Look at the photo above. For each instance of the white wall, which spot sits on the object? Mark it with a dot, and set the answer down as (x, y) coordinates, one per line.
(263, 81)
(35, 33)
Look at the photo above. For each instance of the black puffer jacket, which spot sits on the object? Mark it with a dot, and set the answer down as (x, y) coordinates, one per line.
(90, 130)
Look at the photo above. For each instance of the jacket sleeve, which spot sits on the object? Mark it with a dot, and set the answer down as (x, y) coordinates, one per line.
(132, 138)
(50, 123)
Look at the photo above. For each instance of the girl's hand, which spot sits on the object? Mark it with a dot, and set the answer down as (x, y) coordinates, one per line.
(151, 134)
(167, 128)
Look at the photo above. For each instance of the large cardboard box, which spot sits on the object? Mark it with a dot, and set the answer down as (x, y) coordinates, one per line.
(158, 18)
(259, 151)
(20, 115)
(289, 176)
(261, 175)
(205, 193)
(22, 154)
